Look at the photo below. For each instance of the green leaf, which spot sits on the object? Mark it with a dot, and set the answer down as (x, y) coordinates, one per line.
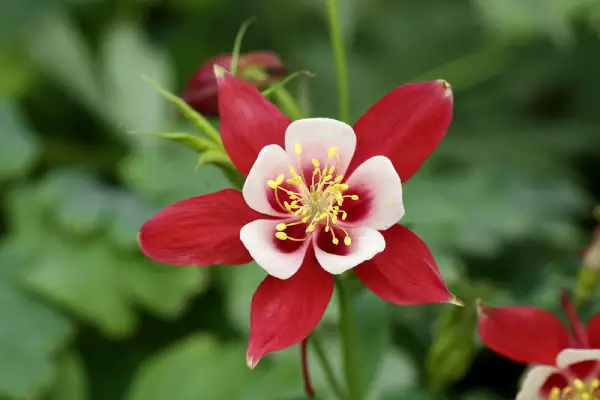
(17, 72)
(31, 331)
(193, 142)
(241, 283)
(167, 173)
(162, 289)
(453, 348)
(216, 157)
(71, 382)
(70, 63)
(126, 54)
(79, 203)
(201, 123)
(103, 287)
(373, 325)
(129, 214)
(195, 368)
(19, 148)
(524, 19)
(396, 374)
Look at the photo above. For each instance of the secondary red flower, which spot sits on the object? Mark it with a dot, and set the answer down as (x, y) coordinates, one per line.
(320, 198)
(257, 67)
(566, 362)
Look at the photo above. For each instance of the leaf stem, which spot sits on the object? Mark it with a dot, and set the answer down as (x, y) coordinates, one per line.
(317, 344)
(287, 103)
(237, 45)
(339, 54)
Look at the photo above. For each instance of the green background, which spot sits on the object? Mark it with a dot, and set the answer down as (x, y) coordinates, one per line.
(505, 202)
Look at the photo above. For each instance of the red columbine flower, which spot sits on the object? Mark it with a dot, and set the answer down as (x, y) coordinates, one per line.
(567, 364)
(257, 67)
(320, 198)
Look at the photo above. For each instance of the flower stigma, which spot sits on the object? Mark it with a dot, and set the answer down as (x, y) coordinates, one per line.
(577, 390)
(317, 203)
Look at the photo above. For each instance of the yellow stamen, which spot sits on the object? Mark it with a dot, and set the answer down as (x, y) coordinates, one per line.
(321, 203)
(577, 390)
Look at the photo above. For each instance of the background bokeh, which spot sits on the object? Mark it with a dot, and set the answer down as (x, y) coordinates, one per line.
(505, 202)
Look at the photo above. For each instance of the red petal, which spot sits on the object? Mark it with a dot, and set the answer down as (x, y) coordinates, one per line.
(405, 273)
(203, 230)
(406, 125)
(523, 334)
(249, 121)
(556, 380)
(593, 332)
(285, 312)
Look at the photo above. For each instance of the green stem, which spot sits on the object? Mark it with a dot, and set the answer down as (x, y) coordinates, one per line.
(317, 344)
(237, 45)
(287, 103)
(339, 54)
(348, 337)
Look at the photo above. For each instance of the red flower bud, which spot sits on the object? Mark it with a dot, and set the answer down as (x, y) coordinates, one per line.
(259, 68)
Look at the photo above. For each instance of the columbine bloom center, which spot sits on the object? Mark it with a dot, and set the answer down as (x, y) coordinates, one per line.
(577, 390)
(317, 203)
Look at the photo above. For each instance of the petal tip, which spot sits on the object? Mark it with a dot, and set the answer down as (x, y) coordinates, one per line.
(447, 87)
(219, 72)
(456, 301)
(252, 362)
(483, 310)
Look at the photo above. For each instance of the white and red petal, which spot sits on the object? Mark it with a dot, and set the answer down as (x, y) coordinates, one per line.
(283, 313)
(202, 230)
(539, 380)
(317, 136)
(405, 273)
(379, 191)
(280, 258)
(248, 121)
(365, 244)
(569, 357)
(271, 161)
(406, 125)
(523, 334)
(593, 331)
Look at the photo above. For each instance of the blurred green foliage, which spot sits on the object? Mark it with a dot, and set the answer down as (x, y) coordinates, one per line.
(504, 203)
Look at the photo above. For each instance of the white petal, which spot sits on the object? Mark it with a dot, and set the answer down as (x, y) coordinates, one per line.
(379, 180)
(572, 356)
(271, 161)
(533, 382)
(259, 238)
(317, 136)
(366, 243)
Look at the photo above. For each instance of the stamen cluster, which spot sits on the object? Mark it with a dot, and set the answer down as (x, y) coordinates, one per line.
(319, 203)
(578, 390)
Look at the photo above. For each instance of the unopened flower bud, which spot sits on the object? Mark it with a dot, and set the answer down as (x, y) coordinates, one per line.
(591, 255)
(259, 68)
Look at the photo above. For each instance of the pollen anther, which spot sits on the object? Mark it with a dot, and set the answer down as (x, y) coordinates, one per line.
(316, 202)
(577, 390)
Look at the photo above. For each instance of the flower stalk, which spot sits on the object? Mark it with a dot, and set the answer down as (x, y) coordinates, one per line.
(308, 388)
(348, 338)
(347, 327)
(339, 54)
